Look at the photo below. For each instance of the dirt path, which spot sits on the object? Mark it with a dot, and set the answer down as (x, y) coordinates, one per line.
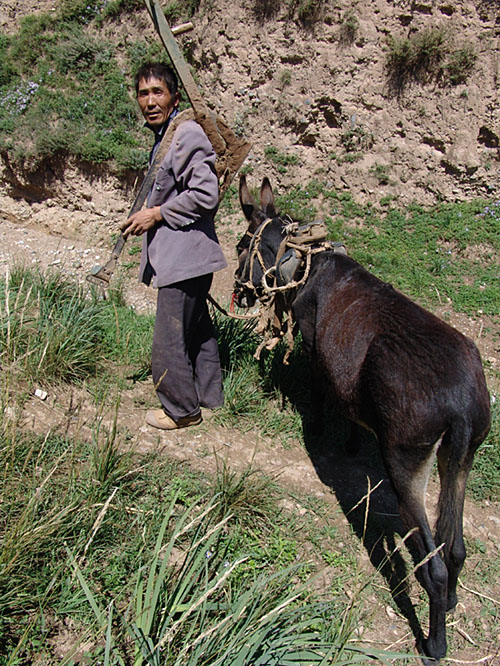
(326, 475)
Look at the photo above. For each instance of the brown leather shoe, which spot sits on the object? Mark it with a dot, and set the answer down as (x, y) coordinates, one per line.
(158, 419)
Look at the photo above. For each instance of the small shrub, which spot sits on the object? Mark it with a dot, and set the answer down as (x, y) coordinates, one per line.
(18, 97)
(285, 78)
(460, 64)
(266, 9)
(348, 28)
(428, 56)
(308, 11)
(418, 58)
(240, 127)
(381, 173)
(356, 138)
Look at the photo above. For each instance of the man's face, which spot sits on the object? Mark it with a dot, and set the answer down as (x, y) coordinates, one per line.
(155, 101)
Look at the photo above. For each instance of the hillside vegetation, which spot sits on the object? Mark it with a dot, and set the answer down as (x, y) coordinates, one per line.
(386, 97)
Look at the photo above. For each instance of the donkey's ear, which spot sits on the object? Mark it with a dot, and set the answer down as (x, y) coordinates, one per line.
(248, 204)
(267, 198)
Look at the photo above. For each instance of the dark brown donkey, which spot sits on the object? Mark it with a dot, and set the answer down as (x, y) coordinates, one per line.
(397, 370)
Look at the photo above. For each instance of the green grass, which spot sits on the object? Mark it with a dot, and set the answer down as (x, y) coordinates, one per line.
(442, 254)
(52, 330)
(279, 159)
(123, 553)
(55, 71)
(66, 88)
(484, 480)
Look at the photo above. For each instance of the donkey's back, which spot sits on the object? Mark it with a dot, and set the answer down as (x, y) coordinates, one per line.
(373, 342)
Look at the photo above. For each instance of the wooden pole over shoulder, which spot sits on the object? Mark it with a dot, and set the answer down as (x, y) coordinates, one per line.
(231, 150)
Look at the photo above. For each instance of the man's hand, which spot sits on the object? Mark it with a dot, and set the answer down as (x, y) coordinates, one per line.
(141, 221)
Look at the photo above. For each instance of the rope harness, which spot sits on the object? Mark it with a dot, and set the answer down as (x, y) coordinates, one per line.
(280, 281)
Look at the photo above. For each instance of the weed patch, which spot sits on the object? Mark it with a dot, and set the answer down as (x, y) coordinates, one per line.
(356, 138)
(281, 160)
(428, 55)
(484, 480)
(349, 27)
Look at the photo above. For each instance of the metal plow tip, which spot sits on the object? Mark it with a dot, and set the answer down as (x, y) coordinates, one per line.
(100, 275)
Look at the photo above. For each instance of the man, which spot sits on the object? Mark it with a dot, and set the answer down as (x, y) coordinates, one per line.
(180, 253)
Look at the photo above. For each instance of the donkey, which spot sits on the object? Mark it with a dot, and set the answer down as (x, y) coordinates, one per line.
(397, 370)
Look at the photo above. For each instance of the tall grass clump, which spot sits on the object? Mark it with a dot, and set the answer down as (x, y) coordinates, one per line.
(484, 480)
(47, 328)
(136, 559)
(53, 330)
(185, 611)
(44, 507)
(416, 58)
(250, 398)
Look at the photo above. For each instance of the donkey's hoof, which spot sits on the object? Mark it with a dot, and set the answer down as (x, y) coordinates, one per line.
(429, 655)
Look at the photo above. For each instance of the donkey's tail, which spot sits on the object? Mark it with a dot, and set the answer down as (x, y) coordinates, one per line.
(455, 456)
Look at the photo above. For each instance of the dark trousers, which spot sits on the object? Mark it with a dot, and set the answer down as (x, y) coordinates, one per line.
(185, 357)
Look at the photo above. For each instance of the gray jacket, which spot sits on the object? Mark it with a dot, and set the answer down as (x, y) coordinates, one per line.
(186, 188)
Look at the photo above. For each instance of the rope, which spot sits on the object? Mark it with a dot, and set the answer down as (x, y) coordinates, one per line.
(276, 318)
(230, 314)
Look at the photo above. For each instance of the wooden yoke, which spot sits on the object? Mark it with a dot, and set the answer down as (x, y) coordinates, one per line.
(230, 150)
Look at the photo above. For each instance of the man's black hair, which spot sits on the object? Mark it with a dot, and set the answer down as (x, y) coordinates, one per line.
(157, 70)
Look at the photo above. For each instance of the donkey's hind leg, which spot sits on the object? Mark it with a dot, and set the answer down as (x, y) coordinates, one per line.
(453, 473)
(409, 471)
